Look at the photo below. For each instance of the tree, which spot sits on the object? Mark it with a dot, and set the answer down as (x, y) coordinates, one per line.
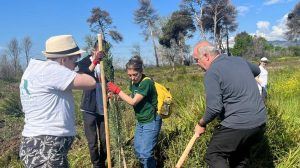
(243, 43)
(146, 16)
(230, 24)
(260, 47)
(6, 69)
(293, 23)
(100, 21)
(136, 50)
(170, 54)
(219, 18)
(89, 40)
(14, 51)
(27, 44)
(179, 27)
(195, 7)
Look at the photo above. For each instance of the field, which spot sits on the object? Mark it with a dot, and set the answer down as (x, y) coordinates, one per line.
(280, 147)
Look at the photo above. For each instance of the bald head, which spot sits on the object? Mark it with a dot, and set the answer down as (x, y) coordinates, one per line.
(200, 45)
(204, 53)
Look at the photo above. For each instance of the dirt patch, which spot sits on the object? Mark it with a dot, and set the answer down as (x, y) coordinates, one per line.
(10, 146)
(2, 123)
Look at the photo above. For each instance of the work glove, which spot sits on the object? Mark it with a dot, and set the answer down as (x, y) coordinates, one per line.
(97, 56)
(113, 88)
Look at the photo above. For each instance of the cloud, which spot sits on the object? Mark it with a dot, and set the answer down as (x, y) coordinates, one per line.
(230, 41)
(272, 2)
(242, 10)
(2, 48)
(263, 25)
(277, 31)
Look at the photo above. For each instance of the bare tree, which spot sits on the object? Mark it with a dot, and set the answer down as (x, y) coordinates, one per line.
(219, 16)
(293, 23)
(146, 16)
(195, 7)
(14, 51)
(170, 54)
(136, 50)
(260, 45)
(27, 44)
(6, 70)
(89, 40)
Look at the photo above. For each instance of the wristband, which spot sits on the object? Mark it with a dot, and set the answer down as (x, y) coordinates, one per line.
(118, 90)
(95, 62)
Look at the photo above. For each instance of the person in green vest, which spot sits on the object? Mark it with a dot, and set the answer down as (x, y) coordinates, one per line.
(143, 98)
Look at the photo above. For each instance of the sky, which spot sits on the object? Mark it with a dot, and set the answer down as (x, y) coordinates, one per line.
(40, 19)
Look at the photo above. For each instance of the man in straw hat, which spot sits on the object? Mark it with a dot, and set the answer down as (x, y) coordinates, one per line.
(48, 103)
(232, 94)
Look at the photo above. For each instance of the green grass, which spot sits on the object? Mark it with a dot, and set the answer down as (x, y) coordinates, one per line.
(280, 147)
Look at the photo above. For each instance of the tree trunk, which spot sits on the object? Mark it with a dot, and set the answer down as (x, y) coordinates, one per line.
(200, 23)
(154, 47)
(180, 45)
(215, 27)
(227, 42)
(155, 52)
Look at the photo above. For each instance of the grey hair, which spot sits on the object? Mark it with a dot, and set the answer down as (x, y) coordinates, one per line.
(209, 49)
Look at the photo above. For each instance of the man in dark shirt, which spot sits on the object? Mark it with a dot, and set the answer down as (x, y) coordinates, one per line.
(92, 108)
(232, 95)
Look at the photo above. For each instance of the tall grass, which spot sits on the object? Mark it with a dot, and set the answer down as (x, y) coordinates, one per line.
(285, 98)
(280, 147)
(281, 142)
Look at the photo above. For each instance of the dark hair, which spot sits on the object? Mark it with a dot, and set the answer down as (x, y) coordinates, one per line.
(135, 63)
(96, 44)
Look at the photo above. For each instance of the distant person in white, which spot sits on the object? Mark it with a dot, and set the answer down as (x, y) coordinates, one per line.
(48, 103)
(263, 77)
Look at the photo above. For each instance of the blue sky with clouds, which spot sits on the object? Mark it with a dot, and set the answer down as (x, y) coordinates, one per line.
(41, 19)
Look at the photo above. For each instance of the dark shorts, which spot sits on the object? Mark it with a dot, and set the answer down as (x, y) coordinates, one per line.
(45, 151)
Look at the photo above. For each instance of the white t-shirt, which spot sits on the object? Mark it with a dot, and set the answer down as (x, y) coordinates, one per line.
(263, 76)
(47, 103)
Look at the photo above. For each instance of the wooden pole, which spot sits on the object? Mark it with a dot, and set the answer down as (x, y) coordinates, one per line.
(186, 151)
(103, 82)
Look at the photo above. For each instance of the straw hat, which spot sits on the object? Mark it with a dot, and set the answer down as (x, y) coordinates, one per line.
(61, 46)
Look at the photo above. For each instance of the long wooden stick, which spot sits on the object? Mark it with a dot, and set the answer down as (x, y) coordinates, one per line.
(186, 151)
(123, 156)
(103, 82)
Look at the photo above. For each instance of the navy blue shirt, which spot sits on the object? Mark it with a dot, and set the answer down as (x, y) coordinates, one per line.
(232, 93)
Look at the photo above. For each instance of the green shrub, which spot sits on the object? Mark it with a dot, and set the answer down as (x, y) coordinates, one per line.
(11, 105)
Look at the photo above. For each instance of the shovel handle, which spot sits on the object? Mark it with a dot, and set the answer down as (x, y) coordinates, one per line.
(103, 84)
(186, 151)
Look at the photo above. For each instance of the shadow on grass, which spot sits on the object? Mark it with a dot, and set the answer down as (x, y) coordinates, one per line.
(163, 146)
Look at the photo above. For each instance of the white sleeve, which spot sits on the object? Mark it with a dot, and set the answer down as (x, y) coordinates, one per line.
(60, 77)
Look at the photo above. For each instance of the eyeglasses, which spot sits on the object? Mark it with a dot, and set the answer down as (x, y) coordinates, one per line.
(197, 58)
(75, 59)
